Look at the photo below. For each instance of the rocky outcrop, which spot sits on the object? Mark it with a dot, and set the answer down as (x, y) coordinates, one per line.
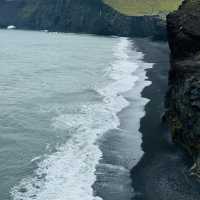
(87, 16)
(183, 98)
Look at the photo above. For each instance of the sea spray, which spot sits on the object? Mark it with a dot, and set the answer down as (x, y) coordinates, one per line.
(70, 171)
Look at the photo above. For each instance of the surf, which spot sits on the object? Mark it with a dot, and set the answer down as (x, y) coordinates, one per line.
(70, 172)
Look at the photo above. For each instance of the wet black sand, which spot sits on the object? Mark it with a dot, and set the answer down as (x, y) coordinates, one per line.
(162, 173)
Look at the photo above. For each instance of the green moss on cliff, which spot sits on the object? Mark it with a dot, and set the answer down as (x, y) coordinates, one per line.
(29, 10)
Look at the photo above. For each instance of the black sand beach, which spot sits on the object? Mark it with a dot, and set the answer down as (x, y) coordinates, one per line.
(162, 173)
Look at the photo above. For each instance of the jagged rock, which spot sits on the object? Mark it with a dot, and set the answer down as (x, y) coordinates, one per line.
(183, 98)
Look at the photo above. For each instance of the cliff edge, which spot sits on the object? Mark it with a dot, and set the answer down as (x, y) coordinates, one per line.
(88, 16)
(183, 98)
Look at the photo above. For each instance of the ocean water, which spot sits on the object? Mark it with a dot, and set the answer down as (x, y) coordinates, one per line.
(63, 98)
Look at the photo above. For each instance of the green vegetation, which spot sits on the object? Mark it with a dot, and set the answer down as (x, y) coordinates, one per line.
(29, 9)
(144, 7)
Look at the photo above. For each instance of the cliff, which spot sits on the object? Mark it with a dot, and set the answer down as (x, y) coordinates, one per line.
(88, 16)
(183, 98)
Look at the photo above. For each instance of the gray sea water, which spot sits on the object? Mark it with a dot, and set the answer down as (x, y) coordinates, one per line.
(61, 97)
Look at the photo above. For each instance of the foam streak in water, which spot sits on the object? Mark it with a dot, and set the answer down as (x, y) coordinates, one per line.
(69, 173)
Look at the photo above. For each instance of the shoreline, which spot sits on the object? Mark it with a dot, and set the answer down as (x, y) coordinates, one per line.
(116, 144)
(163, 170)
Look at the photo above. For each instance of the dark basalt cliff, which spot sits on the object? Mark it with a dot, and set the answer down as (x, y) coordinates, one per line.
(87, 16)
(183, 98)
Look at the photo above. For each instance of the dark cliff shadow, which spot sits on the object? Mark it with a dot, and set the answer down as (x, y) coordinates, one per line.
(162, 173)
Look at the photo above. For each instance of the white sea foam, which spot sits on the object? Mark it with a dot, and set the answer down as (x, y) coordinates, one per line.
(36, 159)
(69, 173)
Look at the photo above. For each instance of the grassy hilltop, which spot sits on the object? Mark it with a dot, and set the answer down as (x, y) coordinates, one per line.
(143, 7)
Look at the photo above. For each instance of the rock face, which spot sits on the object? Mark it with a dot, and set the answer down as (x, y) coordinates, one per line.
(183, 98)
(8, 12)
(88, 16)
